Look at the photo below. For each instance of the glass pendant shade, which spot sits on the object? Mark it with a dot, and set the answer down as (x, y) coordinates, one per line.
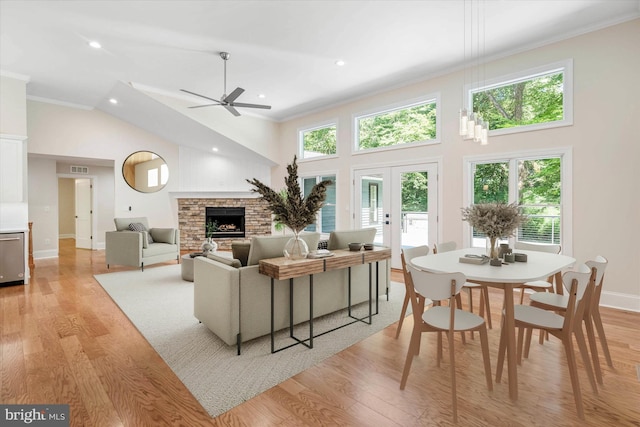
(484, 137)
(464, 118)
(477, 131)
(471, 126)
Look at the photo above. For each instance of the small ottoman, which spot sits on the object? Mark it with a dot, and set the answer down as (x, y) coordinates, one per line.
(186, 265)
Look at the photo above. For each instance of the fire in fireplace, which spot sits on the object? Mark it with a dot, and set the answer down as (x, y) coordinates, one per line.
(229, 222)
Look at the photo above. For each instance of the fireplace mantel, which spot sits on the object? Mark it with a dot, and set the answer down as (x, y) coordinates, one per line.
(213, 194)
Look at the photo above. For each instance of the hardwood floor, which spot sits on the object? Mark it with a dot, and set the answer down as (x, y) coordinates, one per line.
(63, 340)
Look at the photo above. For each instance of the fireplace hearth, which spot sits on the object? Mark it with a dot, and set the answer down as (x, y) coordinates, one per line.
(230, 221)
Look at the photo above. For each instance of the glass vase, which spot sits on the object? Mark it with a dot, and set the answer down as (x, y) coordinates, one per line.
(492, 247)
(296, 248)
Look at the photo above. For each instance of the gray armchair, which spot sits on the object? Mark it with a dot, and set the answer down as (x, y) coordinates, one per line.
(127, 247)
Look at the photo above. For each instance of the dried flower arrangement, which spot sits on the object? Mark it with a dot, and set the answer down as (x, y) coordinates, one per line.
(290, 208)
(495, 220)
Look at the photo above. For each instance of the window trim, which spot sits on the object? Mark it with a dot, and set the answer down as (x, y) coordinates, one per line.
(566, 202)
(318, 125)
(317, 175)
(566, 66)
(407, 103)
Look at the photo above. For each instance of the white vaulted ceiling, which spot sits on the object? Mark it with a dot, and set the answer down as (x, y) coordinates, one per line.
(284, 49)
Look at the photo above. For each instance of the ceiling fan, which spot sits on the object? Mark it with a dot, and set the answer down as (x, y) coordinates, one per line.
(227, 101)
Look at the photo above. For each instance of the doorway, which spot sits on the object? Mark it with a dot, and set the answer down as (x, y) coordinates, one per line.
(75, 213)
(401, 202)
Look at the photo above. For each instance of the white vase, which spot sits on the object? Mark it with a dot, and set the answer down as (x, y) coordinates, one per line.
(296, 248)
(209, 246)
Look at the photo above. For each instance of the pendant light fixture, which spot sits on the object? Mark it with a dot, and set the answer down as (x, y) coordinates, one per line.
(471, 124)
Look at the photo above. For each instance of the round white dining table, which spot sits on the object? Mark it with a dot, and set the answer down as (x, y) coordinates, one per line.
(539, 266)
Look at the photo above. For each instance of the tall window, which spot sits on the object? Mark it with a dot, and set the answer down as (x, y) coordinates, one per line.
(326, 220)
(535, 183)
(318, 141)
(534, 99)
(406, 124)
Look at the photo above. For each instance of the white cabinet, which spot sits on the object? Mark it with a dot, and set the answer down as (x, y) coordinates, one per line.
(12, 169)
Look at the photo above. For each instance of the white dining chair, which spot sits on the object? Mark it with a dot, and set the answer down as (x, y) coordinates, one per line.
(559, 303)
(562, 327)
(406, 256)
(442, 319)
(485, 308)
(537, 285)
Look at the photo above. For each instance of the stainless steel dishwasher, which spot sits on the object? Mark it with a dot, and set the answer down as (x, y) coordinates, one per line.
(11, 257)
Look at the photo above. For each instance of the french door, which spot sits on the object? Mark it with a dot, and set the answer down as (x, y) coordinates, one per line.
(401, 202)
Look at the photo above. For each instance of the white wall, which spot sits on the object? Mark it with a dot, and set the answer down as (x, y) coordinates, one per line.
(13, 109)
(604, 140)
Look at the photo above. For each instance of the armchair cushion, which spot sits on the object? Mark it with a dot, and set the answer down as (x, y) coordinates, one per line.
(163, 235)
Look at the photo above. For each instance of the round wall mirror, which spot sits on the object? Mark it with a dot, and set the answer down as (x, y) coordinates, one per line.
(145, 172)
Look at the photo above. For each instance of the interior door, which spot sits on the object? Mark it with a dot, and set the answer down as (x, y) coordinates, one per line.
(83, 213)
(401, 202)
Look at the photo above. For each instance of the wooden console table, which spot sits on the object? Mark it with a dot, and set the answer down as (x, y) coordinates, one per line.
(283, 268)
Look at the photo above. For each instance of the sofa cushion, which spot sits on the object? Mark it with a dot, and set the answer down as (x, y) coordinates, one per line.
(341, 239)
(163, 235)
(240, 250)
(224, 260)
(140, 227)
(264, 247)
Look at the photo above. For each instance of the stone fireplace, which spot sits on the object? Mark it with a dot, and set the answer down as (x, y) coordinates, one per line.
(193, 214)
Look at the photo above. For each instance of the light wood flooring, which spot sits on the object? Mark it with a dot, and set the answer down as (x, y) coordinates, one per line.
(63, 340)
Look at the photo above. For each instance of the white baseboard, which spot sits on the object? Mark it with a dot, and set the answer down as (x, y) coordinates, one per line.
(620, 301)
(66, 236)
(51, 253)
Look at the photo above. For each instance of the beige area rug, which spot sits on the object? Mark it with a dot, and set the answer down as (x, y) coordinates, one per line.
(160, 304)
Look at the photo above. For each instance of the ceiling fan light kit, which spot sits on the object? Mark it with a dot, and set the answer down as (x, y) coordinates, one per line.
(227, 101)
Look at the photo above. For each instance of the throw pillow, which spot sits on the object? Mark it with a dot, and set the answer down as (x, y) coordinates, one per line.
(240, 250)
(163, 235)
(137, 226)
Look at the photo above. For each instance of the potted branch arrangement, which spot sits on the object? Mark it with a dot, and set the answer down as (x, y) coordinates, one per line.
(495, 220)
(291, 209)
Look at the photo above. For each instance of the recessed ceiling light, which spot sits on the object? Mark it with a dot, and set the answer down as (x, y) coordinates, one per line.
(215, 149)
(94, 44)
(113, 101)
(262, 96)
(340, 62)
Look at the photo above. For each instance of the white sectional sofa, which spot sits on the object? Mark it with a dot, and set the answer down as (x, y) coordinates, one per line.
(234, 302)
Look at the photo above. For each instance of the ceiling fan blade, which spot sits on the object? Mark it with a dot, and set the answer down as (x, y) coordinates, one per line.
(233, 95)
(205, 105)
(240, 104)
(231, 109)
(201, 96)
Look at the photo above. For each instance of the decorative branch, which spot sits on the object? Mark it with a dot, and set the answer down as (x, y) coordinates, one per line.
(291, 209)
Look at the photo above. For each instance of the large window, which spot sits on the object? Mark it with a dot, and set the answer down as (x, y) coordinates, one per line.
(536, 183)
(326, 221)
(406, 124)
(533, 99)
(318, 141)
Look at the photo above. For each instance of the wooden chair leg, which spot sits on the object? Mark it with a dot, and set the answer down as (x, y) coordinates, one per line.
(484, 341)
(520, 344)
(597, 321)
(573, 374)
(452, 363)
(459, 305)
(485, 301)
(591, 336)
(410, 354)
(527, 342)
(403, 313)
(502, 349)
(585, 356)
(470, 290)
